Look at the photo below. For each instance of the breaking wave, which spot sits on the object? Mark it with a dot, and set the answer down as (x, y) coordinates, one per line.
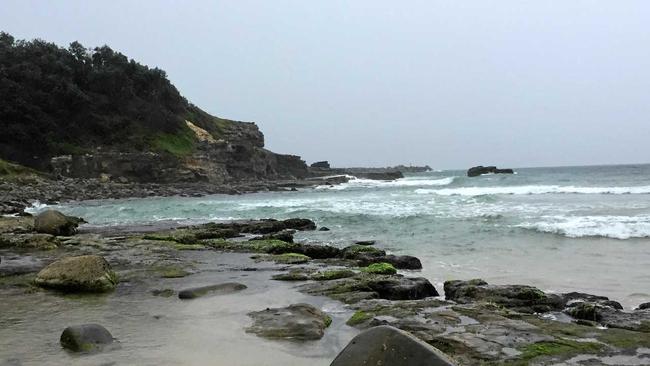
(403, 182)
(533, 189)
(616, 227)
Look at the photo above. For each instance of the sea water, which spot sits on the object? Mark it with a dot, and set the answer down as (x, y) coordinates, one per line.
(561, 229)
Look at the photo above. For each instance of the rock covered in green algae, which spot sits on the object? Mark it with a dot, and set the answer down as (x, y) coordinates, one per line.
(380, 268)
(297, 321)
(55, 223)
(86, 273)
(389, 346)
(218, 289)
(369, 285)
(361, 251)
(85, 338)
(523, 298)
(29, 241)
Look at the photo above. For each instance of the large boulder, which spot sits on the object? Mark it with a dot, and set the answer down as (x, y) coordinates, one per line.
(55, 223)
(298, 321)
(86, 273)
(388, 346)
(219, 289)
(85, 338)
(610, 316)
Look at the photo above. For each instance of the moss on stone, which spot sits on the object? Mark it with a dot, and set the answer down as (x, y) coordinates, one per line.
(356, 249)
(358, 318)
(560, 347)
(328, 321)
(290, 258)
(380, 268)
(171, 272)
(333, 275)
(291, 276)
(189, 247)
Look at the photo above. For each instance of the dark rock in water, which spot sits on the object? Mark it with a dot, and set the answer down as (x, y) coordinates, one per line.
(398, 261)
(219, 289)
(298, 321)
(321, 165)
(525, 299)
(644, 306)
(55, 223)
(573, 298)
(362, 252)
(324, 228)
(365, 242)
(403, 288)
(638, 320)
(388, 346)
(86, 273)
(480, 170)
(85, 338)
(319, 251)
(299, 224)
(402, 261)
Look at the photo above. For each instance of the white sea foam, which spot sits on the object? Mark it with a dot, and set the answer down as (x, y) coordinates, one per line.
(403, 182)
(533, 189)
(617, 227)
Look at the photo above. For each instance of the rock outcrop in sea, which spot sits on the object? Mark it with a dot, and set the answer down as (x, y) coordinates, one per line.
(480, 170)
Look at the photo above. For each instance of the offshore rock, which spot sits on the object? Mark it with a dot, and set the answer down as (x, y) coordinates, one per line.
(480, 170)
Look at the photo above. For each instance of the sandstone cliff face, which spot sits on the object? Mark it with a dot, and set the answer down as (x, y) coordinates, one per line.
(236, 154)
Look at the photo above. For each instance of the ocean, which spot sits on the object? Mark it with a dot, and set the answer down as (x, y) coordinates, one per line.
(561, 229)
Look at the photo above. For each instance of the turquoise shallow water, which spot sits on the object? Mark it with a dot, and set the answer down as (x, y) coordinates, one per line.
(572, 228)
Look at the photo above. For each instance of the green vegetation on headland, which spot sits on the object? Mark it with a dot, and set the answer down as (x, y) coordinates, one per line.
(57, 101)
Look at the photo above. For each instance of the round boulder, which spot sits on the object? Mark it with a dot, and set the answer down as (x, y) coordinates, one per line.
(388, 346)
(85, 338)
(86, 273)
(55, 223)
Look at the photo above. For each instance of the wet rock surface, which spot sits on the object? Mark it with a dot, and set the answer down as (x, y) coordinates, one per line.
(85, 338)
(55, 223)
(477, 323)
(389, 346)
(87, 273)
(298, 321)
(218, 289)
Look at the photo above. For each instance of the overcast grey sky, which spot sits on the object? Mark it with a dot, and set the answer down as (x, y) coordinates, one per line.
(446, 83)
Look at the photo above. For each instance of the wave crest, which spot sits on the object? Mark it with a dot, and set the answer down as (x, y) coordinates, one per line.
(533, 189)
(616, 227)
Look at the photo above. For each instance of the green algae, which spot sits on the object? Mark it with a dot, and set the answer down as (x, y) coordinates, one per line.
(359, 317)
(333, 275)
(380, 268)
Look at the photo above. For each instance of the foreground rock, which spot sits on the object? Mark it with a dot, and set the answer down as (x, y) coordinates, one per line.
(525, 299)
(219, 289)
(86, 273)
(388, 346)
(298, 321)
(85, 338)
(55, 223)
(480, 170)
